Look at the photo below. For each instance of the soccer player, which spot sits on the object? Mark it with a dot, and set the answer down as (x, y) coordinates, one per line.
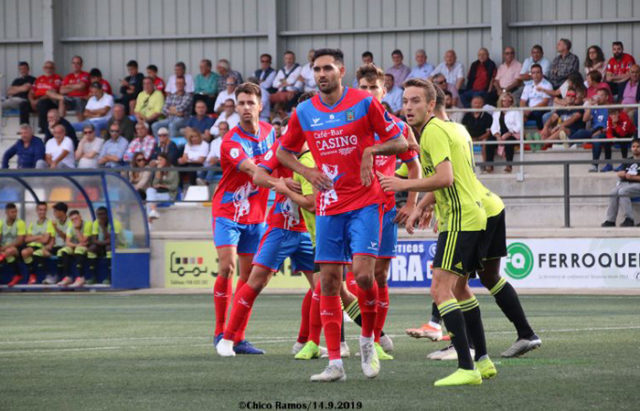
(339, 125)
(238, 206)
(100, 244)
(39, 240)
(60, 225)
(371, 78)
(286, 236)
(447, 161)
(13, 232)
(77, 241)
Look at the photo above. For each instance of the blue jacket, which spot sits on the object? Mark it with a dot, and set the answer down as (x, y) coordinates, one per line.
(27, 156)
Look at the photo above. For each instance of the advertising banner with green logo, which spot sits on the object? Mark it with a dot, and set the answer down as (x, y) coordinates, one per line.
(573, 263)
(194, 264)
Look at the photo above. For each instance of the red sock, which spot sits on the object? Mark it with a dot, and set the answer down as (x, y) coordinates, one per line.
(303, 334)
(242, 304)
(352, 286)
(221, 291)
(240, 332)
(368, 302)
(331, 317)
(315, 323)
(239, 284)
(383, 308)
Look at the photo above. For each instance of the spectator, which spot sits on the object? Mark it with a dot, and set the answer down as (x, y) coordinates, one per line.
(630, 92)
(143, 143)
(176, 109)
(95, 76)
(164, 186)
(123, 121)
(74, 90)
(598, 118)
(113, 149)
(287, 83)
(195, 152)
(619, 125)
(563, 123)
(574, 81)
(564, 64)
(213, 158)
(98, 109)
(29, 149)
(595, 83)
(165, 146)
(277, 128)
(53, 118)
(13, 232)
(206, 85)
(139, 179)
(158, 83)
(455, 116)
(480, 79)
(537, 57)
(130, 87)
(266, 74)
(628, 186)
(618, 66)
(393, 95)
(39, 100)
(506, 125)
(223, 67)
(440, 81)
(148, 103)
(228, 92)
(88, 148)
(595, 61)
(422, 69)
(506, 79)
(180, 70)
(18, 92)
(367, 58)
(306, 78)
(228, 116)
(201, 121)
(399, 70)
(452, 70)
(478, 124)
(533, 97)
(59, 151)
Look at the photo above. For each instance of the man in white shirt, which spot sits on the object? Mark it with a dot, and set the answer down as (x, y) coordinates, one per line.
(228, 93)
(452, 70)
(98, 109)
(306, 74)
(533, 97)
(59, 150)
(423, 69)
(537, 57)
(287, 82)
(394, 94)
(180, 71)
(228, 116)
(265, 74)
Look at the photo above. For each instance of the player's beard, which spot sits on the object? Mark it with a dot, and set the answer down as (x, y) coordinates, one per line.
(329, 87)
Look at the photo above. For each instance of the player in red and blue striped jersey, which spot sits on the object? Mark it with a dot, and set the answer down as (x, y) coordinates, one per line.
(339, 126)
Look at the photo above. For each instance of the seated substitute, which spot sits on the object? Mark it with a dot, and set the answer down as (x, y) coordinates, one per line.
(39, 239)
(78, 237)
(13, 232)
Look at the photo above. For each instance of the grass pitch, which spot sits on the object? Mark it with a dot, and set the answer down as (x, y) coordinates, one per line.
(115, 352)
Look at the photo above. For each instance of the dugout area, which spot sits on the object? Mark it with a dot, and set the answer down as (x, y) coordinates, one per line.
(84, 191)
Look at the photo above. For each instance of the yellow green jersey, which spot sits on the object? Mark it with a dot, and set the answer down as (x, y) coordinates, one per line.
(459, 207)
(11, 232)
(40, 228)
(72, 233)
(307, 189)
(97, 230)
(62, 226)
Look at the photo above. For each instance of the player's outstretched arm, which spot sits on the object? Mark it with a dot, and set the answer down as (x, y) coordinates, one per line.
(413, 172)
(389, 147)
(307, 202)
(442, 178)
(316, 177)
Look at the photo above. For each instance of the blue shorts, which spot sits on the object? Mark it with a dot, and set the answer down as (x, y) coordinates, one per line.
(228, 233)
(355, 232)
(277, 244)
(389, 237)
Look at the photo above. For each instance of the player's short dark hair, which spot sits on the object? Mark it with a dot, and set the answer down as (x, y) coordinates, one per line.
(306, 96)
(439, 98)
(73, 212)
(10, 206)
(152, 67)
(430, 91)
(23, 63)
(337, 54)
(39, 203)
(367, 54)
(60, 206)
(397, 52)
(181, 65)
(132, 63)
(249, 88)
(95, 72)
(618, 43)
(535, 65)
(370, 72)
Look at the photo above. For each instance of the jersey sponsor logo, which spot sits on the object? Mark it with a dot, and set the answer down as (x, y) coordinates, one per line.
(332, 141)
(316, 122)
(234, 153)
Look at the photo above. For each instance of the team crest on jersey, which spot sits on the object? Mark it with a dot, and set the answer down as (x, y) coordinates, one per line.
(268, 156)
(234, 153)
(350, 115)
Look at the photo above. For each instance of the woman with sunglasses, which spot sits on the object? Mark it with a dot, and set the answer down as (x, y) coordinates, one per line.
(139, 179)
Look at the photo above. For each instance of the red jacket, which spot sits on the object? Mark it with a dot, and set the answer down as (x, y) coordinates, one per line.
(623, 128)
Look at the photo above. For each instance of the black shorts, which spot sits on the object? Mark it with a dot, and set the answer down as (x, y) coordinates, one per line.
(494, 238)
(458, 252)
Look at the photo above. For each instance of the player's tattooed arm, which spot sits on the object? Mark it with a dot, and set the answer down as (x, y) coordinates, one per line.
(442, 178)
(316, 177)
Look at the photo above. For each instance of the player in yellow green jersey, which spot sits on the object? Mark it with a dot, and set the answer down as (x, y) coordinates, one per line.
(60, 225)
(13, 232)
(77, 241)
(447, 162)
(39, 241)
(100, 244)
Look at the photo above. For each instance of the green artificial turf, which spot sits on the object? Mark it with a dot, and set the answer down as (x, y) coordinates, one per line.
(114, 352)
